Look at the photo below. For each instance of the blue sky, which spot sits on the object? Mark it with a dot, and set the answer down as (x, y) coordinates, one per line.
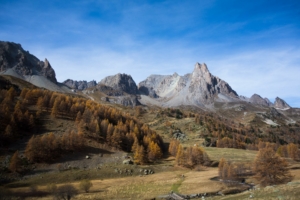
(253, 45)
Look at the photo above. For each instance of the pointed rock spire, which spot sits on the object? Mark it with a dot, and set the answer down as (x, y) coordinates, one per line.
(281, 104)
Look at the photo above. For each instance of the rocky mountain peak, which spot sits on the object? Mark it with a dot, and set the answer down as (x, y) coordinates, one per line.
(175, 74)
(281, 104)
(198, 88)
(121, 82)
(201, 67)
(202, 74)
(15, 61)
(48, 71)
(47, 64)
(257, 99)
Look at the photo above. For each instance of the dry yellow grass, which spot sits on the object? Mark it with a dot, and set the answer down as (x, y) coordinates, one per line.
(148, 186)
(234, 155)
(162, 183)
(200, 182)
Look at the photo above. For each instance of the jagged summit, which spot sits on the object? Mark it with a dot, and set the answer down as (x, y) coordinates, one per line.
(258, 100)
(80, 85)
(199, 88)
(121, 82)
(15, 61)
(202, 67)
(281, 104)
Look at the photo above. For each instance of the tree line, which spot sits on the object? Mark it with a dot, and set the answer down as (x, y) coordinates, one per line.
(268, 168)
(24, 110)
(223, 133)
(188, 157)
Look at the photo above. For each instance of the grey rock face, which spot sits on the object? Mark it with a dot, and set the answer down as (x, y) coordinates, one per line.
(109, 91)
(256, 99)
(79, 85)
(243, 98)
(208, 85)
(13, 56)
(273, 113)
(148, 86)
(122, 82)
(198, 88)
(128, 100)
(269, 102)
(281, 104)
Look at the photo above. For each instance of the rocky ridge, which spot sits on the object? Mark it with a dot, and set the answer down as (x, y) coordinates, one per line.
(258, 100)
(120, 89)
(281, 104)
(79, 85)
(122, 82)
(199, 88)
(14, 59)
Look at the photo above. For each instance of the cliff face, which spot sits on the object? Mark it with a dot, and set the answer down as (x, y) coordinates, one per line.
(198, 88)
(281, 104)
(258, 100)
(15, 60)
(122, 82)
(79, 85)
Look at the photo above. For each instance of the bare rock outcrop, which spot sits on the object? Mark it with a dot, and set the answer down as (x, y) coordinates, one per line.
(125, 100)
(281, 104)
(269, 102)
(120, 89)
(207, 87)
(22, 63)
(198, 88)
(122, 82)
(258, 100)
(79, 85)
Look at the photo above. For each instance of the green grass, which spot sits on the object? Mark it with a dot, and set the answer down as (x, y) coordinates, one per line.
(72, 175)
(176, 185)
(234, 155)
(290, 191)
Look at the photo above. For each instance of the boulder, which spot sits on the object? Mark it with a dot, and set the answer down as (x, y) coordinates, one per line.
(127, 162)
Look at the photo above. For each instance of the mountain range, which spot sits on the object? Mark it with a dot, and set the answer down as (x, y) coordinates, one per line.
(199, 88)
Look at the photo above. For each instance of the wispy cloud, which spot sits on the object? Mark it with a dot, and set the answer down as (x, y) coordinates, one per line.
(254, 46)
(269, 72)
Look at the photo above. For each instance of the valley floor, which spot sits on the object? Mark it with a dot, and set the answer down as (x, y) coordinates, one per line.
(107, 184)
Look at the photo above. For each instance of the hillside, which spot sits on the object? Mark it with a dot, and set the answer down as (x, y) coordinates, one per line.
(168, 133)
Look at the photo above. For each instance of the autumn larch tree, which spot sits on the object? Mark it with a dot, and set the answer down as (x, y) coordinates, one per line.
(180, 156)
(270, 168)
(173, 147)
(85, 185)
(139, 155)
(15, 162)
(221, 166)
(55, 108)
(154, 152)
(293, 151)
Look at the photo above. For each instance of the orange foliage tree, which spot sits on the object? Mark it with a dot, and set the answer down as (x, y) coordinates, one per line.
(270, 168)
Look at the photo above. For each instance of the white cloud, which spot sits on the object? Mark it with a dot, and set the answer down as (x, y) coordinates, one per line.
(160, 38)
(270, 72)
